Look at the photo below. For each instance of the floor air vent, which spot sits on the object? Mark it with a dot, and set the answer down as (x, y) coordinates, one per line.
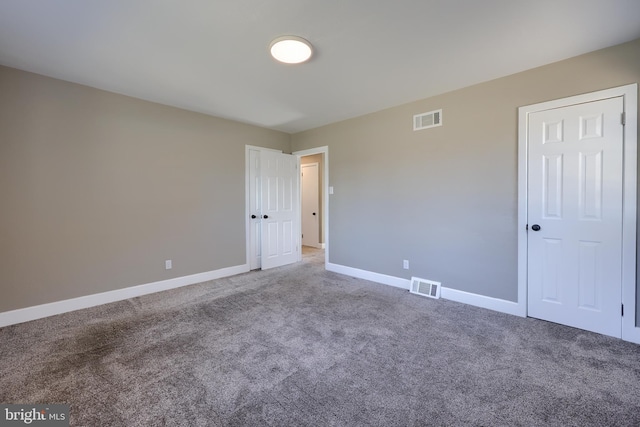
(427, 120)
(426, 288)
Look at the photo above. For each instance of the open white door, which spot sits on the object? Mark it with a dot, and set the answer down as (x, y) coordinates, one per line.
(280, 209)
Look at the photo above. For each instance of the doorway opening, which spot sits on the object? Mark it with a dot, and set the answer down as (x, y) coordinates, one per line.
(284, 244)
(311, 200)
(314, 209)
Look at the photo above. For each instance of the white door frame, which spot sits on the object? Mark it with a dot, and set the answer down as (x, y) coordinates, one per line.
(325, 195)
(629, 213)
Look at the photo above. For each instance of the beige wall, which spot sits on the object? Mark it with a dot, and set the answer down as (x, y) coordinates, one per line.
(97, 190)
(318, 158)
(446, 198)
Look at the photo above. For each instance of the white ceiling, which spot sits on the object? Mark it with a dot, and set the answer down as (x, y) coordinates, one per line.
(211, 56)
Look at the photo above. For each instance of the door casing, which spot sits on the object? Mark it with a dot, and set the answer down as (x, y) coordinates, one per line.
(629, 93)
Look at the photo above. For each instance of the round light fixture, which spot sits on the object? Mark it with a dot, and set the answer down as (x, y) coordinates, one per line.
(290, 49)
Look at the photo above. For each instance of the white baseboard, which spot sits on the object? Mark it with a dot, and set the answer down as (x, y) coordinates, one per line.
(64, 306)
(477, 300)
(59, 307)
(369, 275)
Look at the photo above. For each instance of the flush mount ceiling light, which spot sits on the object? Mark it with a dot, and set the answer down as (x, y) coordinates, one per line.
(290, 49)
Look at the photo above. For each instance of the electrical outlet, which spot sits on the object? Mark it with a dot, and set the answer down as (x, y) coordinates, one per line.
(405, 264)
(168, 264)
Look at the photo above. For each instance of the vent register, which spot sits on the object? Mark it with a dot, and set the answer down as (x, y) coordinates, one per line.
(424, 287)
(427, 120)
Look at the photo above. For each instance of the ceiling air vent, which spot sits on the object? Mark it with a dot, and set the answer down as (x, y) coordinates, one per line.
(427, 120)
(426, 288)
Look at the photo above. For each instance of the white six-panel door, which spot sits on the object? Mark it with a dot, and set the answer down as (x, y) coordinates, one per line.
(575, 215)
(280, 209)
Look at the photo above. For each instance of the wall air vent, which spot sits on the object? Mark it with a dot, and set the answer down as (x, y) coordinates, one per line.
(426, 288)
(427, 120)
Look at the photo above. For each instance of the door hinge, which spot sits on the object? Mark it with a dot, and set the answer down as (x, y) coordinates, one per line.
(526, 227)
(622, 310)
(623, 119)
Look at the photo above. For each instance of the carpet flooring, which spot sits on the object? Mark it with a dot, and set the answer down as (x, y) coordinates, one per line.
(300, 346)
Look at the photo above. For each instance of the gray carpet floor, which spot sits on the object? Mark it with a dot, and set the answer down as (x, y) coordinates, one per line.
(300, 346)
